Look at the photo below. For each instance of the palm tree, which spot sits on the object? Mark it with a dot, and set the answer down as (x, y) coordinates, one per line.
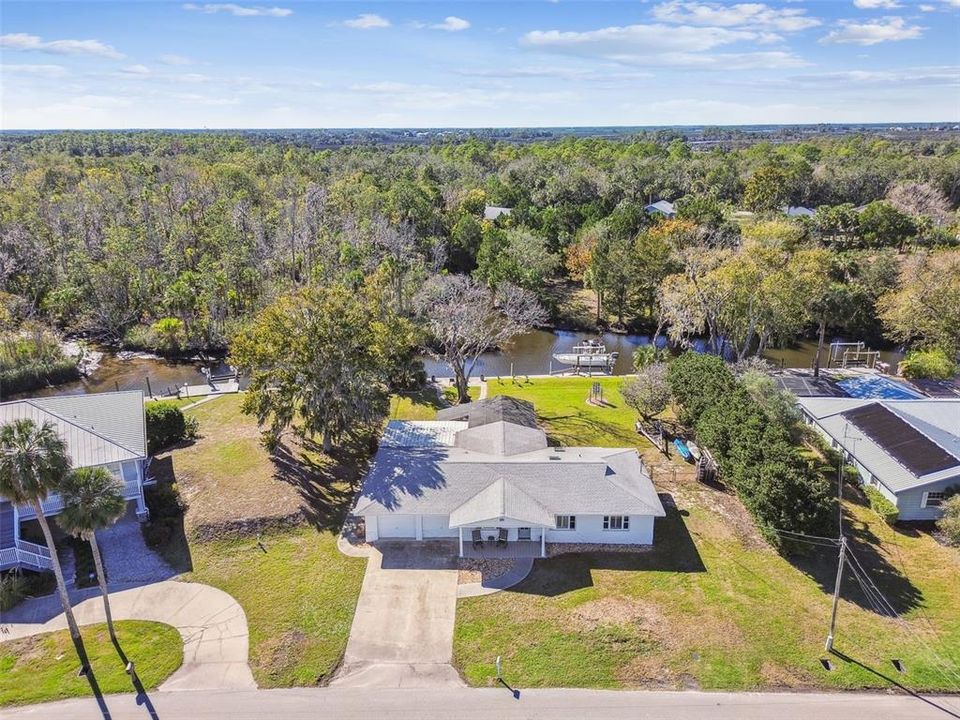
(33, 462)
(93, 499)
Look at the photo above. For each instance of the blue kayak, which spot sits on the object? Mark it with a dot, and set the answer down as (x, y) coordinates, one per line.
(682, 449)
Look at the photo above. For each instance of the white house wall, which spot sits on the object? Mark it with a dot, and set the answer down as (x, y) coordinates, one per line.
(589, 529)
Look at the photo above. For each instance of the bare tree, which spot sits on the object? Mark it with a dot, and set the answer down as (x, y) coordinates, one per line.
(466, 319)
(920, 199)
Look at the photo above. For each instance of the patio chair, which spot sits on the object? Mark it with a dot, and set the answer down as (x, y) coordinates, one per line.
(477, 538)
(502, 537)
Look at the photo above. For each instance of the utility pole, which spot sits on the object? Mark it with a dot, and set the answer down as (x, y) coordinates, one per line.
(836, 593)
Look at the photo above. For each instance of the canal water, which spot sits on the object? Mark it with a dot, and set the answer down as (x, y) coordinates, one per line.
(529, 354)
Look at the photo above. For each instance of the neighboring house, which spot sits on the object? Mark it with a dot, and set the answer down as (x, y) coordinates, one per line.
(791, 211)
(487, 465)
(661, 207)
(908, 449)
(492, 212)
(105, 429)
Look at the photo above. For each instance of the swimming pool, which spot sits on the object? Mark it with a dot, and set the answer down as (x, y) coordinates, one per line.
(875, 387)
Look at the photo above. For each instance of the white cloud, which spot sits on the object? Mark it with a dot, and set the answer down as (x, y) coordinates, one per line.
(939, 75)
(24, 41)
(239, 10)
(876, 4)
(51, 71)
(137, 70)
(927, 8)
(452, 24)
(873, 32)
(756, 15)
(640, 40)
(367, 21)
(682, 46)
(171, 59)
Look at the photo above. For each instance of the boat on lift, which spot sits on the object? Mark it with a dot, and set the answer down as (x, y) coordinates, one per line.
(591, 354)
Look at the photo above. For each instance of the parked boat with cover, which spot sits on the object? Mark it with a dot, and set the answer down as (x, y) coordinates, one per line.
(589, 355)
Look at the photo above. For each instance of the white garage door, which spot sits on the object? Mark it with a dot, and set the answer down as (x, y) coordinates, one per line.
(437, 526)
(397, 526)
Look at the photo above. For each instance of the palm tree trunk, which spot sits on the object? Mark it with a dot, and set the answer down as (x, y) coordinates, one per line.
(57, 571)
(102, 580)
(820, 338)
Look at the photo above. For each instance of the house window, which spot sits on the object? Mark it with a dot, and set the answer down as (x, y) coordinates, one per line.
(523, 533)
(933, 499)
(616, 522)
(566, 522)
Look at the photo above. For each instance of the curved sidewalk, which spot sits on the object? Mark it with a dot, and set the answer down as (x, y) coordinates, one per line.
(212, 624)
(521, 568)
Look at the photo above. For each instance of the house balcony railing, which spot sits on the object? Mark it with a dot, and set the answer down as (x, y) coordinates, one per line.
(25, 554)
(54, 503)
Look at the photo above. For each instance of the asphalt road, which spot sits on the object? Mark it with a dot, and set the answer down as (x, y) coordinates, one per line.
(474, 704)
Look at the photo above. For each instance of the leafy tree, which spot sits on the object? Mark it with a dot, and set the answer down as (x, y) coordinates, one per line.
(649, 392)
(697, 381)
(33, 463)
(933, 364)
(465, 319)
(882, 225)
(322, 355)
(646, 355)
(515, 256)
(93, 500)
(767, 189)
(925, 308)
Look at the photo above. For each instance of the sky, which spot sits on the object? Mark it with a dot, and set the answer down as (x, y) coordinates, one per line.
(277, 64)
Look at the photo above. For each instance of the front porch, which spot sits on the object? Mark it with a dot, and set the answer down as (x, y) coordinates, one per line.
(513, 550)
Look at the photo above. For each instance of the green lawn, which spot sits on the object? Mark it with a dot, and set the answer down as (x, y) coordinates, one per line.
(299, 593)
(423, 404)
(297, 590)
(44, 667)
(710, 605)
(179, 402)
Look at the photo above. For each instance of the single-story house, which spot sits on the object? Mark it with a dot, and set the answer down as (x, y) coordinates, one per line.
(492, 212)
(663, 208)
(485, 468)
(798, 211)
(908, 449)
(100, 429)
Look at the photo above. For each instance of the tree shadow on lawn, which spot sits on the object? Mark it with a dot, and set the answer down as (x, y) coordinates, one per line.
(673, 550)
(821, 565)
(327, 484)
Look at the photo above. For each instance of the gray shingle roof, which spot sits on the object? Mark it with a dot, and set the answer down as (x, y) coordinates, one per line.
(501, 408)
(501, 499)
(665, 207)
(937, 419)
(438, 480)
(98, 428)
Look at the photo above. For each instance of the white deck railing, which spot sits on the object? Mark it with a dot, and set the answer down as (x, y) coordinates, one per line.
(54, 503)
(25, 553)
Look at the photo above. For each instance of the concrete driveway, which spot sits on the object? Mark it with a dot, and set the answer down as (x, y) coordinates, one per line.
(402, 632)
(212, 624)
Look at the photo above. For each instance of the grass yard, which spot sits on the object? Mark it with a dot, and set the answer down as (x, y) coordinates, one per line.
(179, 402)
(297, 590)
(44, 667)
(424, 404)
(710, 605)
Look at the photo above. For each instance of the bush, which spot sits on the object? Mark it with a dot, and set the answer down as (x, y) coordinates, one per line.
(164, 501)
(879, 503)
(13, 588)
(698, 382)
(932, 364)
(949, 524)
(166, 425)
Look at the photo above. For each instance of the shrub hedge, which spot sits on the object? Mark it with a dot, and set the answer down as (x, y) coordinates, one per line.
(166, 425)
(887, 511)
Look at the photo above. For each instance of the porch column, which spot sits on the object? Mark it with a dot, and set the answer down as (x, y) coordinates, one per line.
(460, 533)
(543, 542)
(419, 527)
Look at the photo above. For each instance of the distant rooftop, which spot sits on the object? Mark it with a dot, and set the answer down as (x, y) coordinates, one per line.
(492, 212)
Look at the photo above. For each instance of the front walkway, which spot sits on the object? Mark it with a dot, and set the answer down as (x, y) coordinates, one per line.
(213, 627)
(402, 632)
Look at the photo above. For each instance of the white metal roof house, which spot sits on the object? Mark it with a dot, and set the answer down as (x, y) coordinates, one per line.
(492, 212)
(662, 207)
(907, 449)
(798, 211)
(486, 466)
(101, 429)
